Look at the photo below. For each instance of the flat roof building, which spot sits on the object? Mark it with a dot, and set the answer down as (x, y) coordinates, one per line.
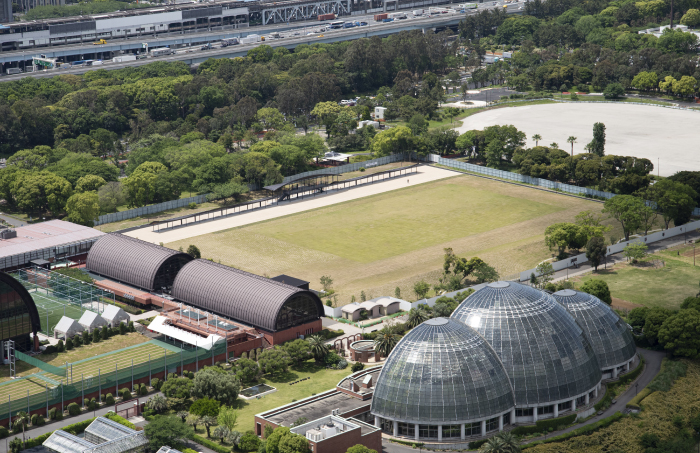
(52, 240)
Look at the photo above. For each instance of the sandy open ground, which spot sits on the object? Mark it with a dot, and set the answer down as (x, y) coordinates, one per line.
(664, 136)
(425, 174)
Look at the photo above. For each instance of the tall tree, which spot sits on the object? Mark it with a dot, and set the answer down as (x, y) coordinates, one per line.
(597, 145)
(626, 210)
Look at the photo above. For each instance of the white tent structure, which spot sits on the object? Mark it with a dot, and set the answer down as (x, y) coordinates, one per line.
(114, 315)
(102, 436)
(91, 320)
(67, 328)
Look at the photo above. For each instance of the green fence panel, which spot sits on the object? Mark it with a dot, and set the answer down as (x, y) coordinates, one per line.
(41, 365)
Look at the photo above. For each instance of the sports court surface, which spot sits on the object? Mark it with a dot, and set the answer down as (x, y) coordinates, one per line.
(396, 238)
(667, 137)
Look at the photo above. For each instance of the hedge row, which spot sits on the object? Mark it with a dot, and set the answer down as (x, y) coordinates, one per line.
(75, 429)
(477, 444)
(121, 420)
(584, 430)
(544, 425)
(405, 442)
(209, 444)
(606, 401)
(636, 401)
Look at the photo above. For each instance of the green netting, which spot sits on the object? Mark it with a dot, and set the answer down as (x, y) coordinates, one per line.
(109, 381)
(39, 364)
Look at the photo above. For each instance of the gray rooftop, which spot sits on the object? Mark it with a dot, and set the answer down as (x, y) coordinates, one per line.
(319, 408)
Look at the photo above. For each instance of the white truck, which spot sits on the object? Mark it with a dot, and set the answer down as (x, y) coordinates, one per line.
(250, 39)
(397, 16)
(123, 58)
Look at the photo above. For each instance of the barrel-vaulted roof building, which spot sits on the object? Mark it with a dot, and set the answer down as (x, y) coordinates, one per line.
(18, 314)
(609, 335)
(135, 262)
(263, 303)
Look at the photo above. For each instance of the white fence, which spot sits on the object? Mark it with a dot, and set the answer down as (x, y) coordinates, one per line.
(151, 209)
(350, 167)
(617, 248)
(523, 179)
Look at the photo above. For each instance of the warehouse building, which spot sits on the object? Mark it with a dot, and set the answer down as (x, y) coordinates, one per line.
(53, 241)
(137, 263)
(279, 311)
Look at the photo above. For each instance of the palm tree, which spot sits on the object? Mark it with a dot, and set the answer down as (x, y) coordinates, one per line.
(23, 418)
(537, 138)
(233, 437)
(208, 421)
(193, 421)
(385, 341)
(221, 432)
(319, 348)
(157, 403)
(183, 415)
(493, 445)
(572, 140)
(416, 316)
(511, 443)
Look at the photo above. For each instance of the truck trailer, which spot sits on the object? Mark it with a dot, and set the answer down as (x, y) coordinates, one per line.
(326, 16)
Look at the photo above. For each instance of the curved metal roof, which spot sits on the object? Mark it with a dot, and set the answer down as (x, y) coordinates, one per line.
(130, 260)
(243, 296)
(7, 279)
(609, 335)
(274, 187)
(442, 372)
(544, 351)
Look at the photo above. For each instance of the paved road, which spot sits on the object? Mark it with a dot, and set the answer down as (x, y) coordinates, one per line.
(652, 368)
(49, 427)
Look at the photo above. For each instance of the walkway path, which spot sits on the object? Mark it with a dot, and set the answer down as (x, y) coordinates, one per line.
(652, 368)
(425, 174)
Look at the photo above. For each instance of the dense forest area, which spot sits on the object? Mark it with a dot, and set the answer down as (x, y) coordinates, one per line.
(82, 145)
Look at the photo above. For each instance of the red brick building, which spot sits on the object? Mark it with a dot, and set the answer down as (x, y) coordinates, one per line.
(339, 418)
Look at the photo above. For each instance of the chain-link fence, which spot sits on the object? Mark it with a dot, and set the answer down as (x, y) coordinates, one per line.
(151, 209)
(347, 168)
(57, 391)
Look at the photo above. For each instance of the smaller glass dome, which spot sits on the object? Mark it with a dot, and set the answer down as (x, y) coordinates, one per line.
(442, 372)
(609, 335)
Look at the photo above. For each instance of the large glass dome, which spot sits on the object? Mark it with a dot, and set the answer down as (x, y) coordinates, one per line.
(542, 348)
(610, 337)
(442, 372)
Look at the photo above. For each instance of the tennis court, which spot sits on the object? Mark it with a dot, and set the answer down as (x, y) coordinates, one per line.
(106, 373)
(57, 295)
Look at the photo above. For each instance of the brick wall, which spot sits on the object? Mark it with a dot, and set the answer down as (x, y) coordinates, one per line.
(293, 333)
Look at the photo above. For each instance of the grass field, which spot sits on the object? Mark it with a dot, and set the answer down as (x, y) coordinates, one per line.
(664, 287)
(79, 353)
(377, 243)
(122, 359)
(51, 310)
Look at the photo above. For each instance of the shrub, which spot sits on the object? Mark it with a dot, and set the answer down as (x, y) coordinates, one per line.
(73, 409)
(544, 425)
(190, 374)
(121, 420)
(33, 419)
(211, 445)
(143, 390)
(362, 168)
(475, 445)
(342, 364)
(69, 344)
(52, 413)
(3, 432)
(60, 347)
(588, 429)
(59, 415)
(122, 328)
(597, 288)
(125, 393)
(332, 358)
(637, 400)
(77, 341)
(192, 205)
(156, 383)
(40, 421)
(92, 405)
(357, 366)
(50, 349)
(109, 399)
(249, 442)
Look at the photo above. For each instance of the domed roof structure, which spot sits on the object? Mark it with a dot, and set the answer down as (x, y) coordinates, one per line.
(442, 371)
(544, 351)
(609, 335)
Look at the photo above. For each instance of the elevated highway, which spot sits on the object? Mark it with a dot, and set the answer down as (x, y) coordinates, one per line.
(188, 45)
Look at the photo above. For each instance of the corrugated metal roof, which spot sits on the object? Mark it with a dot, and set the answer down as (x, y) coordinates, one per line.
(129, 260)
(160, 325)
(46, 234)
(235, 293)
